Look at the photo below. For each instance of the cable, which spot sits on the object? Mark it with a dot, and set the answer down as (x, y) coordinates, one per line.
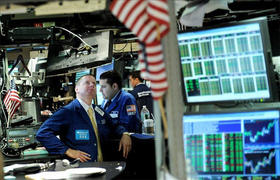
(120, 57)
(75, 36)
(121, 48)
(1, 102)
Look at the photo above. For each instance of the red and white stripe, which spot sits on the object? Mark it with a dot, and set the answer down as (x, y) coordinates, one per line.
(12, 102)
(158, 11)
(153, 68)
(149, 21)
(142, 17)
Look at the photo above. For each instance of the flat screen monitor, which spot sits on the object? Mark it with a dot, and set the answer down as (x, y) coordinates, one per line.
(81, 73)
(102, 69)
(62, 58)
(227, 63)
(233, 145)
(99, 96)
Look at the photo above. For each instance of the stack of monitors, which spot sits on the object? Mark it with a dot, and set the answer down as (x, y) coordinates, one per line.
(233, 145)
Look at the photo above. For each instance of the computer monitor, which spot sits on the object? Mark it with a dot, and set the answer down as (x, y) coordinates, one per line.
(238, 145)
(99, 95)
(104, 68)
(65, 58)
(227, 63)
(81, 73)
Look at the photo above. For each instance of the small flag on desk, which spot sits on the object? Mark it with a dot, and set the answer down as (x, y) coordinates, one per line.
(12, 100)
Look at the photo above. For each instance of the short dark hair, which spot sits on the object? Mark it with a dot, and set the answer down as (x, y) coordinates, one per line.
(112, 77)
(136, 74)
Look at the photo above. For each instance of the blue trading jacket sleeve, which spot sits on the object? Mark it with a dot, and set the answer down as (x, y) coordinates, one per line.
(115, 127)
(120, 129)
(52, 127)
(129, 120)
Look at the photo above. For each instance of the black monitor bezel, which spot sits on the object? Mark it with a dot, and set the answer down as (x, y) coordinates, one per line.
(268, 62)
(232, 110)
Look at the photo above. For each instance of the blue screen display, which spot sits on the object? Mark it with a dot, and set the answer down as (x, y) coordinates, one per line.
(102, 69)
(99, 95)
(81, 73)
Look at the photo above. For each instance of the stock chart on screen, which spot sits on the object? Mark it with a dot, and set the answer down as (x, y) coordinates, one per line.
(233, 145)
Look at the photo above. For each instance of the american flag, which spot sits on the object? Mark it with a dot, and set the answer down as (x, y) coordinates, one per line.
(152, 68)
(12, 100)
(149, 21)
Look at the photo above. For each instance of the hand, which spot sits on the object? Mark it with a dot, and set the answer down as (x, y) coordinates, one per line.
(125, 144)
(76, 154)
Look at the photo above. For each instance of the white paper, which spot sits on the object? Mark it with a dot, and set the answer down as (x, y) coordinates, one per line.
(194, 16)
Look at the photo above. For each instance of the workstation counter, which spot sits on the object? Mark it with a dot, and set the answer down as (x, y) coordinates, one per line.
(139, 164)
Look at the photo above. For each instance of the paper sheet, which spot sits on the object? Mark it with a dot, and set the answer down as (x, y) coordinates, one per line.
(194, 16)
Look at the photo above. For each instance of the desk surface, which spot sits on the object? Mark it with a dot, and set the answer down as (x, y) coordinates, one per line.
(113, 169)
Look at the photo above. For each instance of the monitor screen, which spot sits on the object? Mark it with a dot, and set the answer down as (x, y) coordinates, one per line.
(99, 95)
(81, 73)
(236, 145)
(228, 63)
(102, 69)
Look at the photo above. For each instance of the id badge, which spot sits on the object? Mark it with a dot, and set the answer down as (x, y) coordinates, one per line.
(114, 114)
(81, 134)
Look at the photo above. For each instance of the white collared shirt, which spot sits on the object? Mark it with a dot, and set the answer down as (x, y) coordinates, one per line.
(85, 106)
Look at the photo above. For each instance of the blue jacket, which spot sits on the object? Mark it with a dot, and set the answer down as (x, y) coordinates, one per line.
(123, 111)
(143, 96)
(74, 127)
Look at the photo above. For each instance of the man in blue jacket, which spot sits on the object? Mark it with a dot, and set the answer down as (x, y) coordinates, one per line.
(81, 126)
(141, 92)
(120, 104)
